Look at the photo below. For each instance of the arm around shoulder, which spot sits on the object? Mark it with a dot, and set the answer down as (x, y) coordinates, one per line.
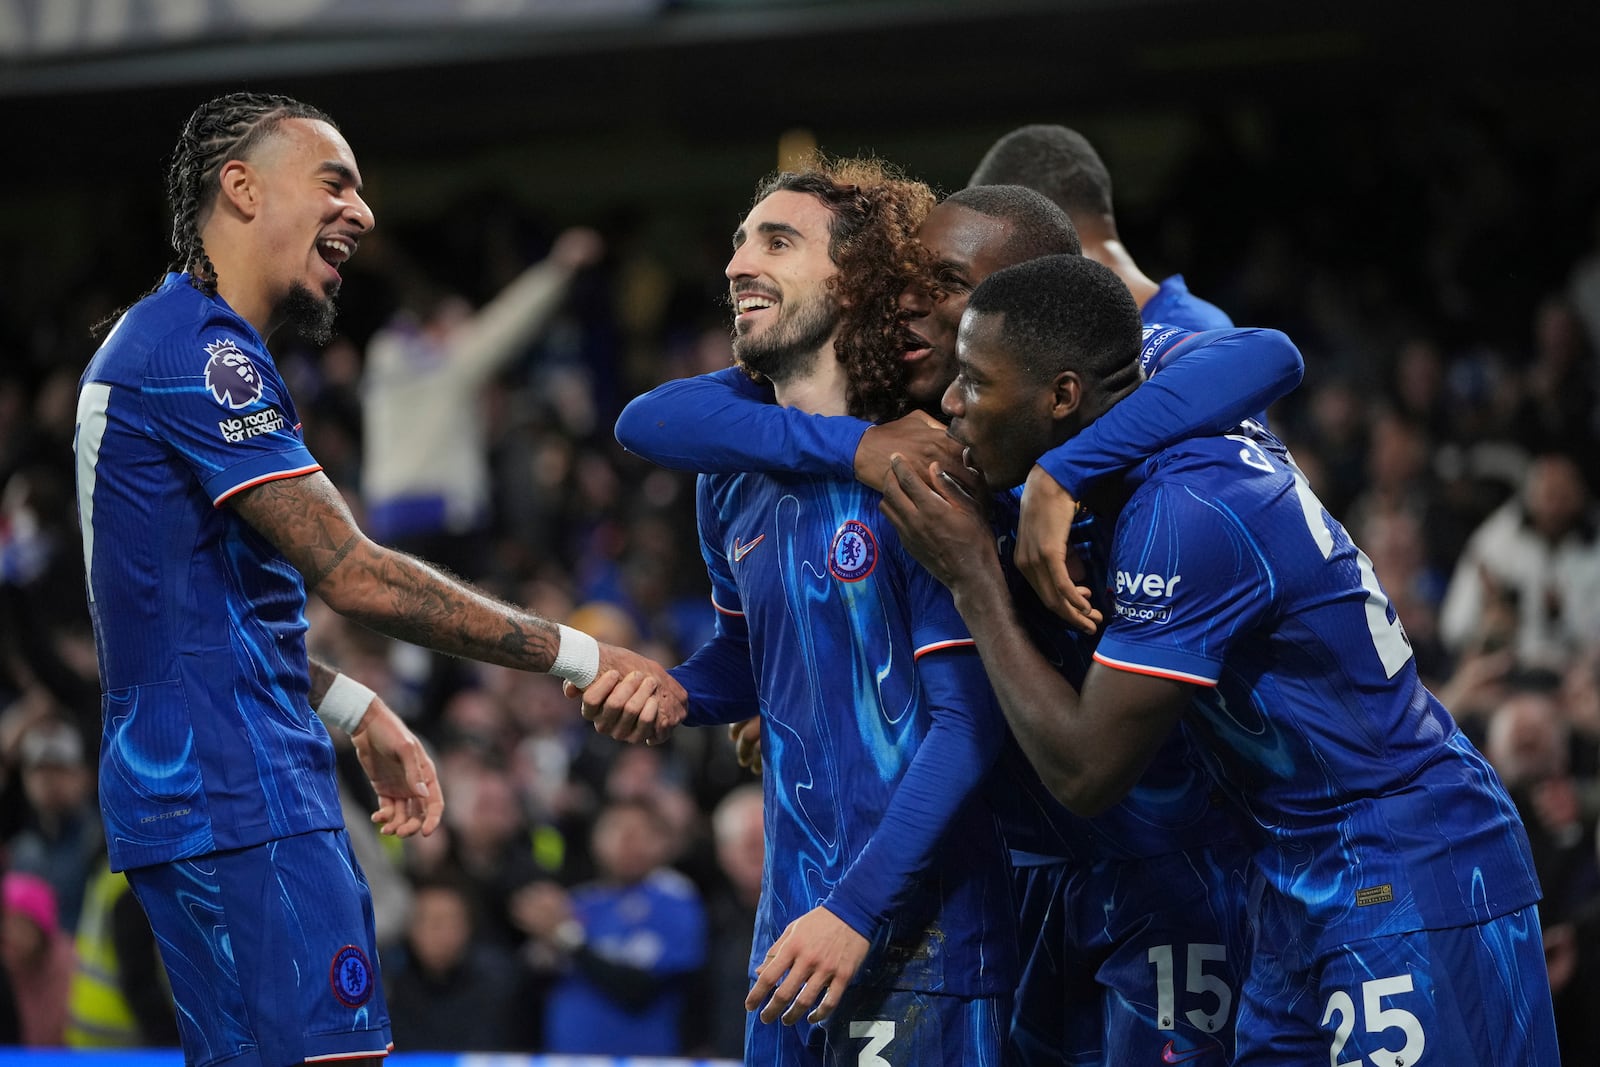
(724, 423)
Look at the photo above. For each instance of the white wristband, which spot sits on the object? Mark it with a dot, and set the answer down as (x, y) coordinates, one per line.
(577, 658)
(345, 703)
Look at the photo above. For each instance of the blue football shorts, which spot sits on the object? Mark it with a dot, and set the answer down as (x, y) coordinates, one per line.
(1460, 995)
(270, 951)
(1131, 962)
(887, 1028)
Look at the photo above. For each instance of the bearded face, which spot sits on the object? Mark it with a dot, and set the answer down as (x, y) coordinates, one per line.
(309, 315)
(784, 312)
(788, 345)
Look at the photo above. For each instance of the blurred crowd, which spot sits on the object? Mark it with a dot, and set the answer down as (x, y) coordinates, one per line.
(1439, 270)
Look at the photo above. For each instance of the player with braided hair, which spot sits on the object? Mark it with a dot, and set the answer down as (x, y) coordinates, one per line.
(204, 522)
(210, 138)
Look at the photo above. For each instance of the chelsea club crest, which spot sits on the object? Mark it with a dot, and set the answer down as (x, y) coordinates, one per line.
(351, 977)
(853, 553)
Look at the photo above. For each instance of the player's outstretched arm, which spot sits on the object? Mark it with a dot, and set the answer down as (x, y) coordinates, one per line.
(1201, 384)
(1090, 751)
(402, 773)
(724, 423)
(717, 678)
(406, 598)
(1204, 383)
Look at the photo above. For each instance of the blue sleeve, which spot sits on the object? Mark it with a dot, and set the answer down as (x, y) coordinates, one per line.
(1206, 383)
(221, 404)
(1188, 581)
(961, 746)
(719, 678)
(725, 423)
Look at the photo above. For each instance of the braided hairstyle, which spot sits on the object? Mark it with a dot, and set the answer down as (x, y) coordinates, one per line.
(872, 239)
(224, 129)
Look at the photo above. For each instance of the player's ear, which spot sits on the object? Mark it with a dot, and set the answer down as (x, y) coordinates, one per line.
(239, 188)
(1066, 394)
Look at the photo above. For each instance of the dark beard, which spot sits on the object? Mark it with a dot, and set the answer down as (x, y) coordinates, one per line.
(791, 350)
(308, 315)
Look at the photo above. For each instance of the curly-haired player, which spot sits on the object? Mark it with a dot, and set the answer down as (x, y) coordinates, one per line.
(204, 521)
(884, 932)
(874, 216)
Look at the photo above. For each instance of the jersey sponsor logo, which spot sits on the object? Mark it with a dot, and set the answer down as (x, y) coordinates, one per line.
(231, 377)
(741, 549)
(1149, 585)
(1156, 339)
(242, 428)
(1142, 612)
(853, 553)
(351, 977)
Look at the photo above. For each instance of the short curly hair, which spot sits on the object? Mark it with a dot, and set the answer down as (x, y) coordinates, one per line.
(872, 239)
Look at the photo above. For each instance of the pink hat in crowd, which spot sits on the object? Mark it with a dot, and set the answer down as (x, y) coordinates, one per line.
(31, 896)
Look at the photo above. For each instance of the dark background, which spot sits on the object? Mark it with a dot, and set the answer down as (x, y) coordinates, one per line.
(1217, 112)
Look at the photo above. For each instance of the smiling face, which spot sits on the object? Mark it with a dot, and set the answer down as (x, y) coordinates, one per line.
(784, 313)
(966, 247)
(996, 409)
(308, 216)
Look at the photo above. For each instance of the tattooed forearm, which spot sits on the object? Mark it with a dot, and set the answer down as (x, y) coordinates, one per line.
(306, 519)
(314, 580)
(322, 676)
(414, 602)
(391, 592)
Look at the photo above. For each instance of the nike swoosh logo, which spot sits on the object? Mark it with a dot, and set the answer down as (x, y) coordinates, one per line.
(741, 551)
(1170, 1054)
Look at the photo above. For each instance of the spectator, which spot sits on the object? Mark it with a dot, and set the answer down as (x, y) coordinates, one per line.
(632, 938)
(119, 996)
(62, 838)
(38, 958)
(492, 843)
(741, 850)
(1541, 553)
(1528, 743)
(425, 474)
(451, 990)
(1558, 397)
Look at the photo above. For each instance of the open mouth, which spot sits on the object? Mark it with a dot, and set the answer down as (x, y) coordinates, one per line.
(916, 347)
(748, 305)
(335, 251)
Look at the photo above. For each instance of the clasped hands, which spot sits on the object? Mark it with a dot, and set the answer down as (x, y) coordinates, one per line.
(632, 699)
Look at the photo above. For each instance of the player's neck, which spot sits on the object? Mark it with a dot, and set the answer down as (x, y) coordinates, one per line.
(249, 300)
(821, 390)
(1110, 252)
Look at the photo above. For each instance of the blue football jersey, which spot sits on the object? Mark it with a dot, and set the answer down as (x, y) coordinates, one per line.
(1175, 305)
(1378, 815)
(837, 614)
(209, 741)
(1174, 806)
